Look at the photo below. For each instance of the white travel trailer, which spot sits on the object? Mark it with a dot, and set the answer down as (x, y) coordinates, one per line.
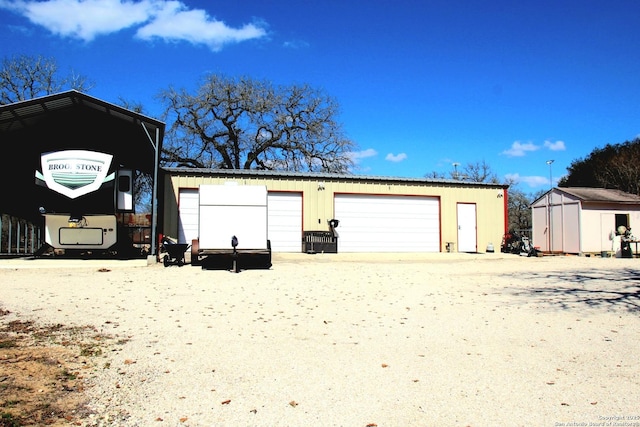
(82, 217)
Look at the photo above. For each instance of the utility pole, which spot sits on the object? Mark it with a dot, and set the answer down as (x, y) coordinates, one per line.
(550, 162)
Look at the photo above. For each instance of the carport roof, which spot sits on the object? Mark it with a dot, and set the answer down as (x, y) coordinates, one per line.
(25, 114)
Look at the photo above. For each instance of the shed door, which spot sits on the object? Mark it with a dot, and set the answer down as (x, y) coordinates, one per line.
(187, 215)
(607, 230)
(285, 221)
(467, 233)
(539, 220)
(387, 223)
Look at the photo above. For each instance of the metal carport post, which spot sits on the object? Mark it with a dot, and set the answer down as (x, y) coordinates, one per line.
(154, 197)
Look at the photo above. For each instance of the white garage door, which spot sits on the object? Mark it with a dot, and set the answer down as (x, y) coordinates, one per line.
(187, 215)
(285, 221)
(387, 223)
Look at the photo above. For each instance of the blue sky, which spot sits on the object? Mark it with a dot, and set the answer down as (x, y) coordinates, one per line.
(422, 84)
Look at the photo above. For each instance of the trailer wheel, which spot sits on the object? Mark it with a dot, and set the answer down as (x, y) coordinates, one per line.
(269, 264)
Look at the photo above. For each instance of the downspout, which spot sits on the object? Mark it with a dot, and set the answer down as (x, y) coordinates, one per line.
(154, 211)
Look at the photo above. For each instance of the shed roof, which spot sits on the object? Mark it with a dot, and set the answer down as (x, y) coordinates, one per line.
(601, 195)
(321, 175)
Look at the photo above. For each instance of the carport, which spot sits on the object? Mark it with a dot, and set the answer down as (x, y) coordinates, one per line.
(72, 120)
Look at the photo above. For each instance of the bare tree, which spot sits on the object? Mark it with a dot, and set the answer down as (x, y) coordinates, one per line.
(479, 172)
(242, 123)
(472, 172)
(519, 205)
(135, 106)
(25, 77)
(435, 175)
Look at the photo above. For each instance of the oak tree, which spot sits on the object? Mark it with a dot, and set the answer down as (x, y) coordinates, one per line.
(243, 123)
(24, 77)
(612, 166)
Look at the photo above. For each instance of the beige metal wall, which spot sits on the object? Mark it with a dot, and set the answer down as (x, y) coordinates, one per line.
(318, 199)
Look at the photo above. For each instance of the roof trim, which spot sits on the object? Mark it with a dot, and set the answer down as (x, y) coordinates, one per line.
(323, 175)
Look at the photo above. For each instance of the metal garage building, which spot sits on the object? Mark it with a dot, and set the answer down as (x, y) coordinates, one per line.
(375, 214)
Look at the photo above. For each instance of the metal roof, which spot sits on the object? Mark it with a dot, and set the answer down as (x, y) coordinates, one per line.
(325, 175)
(601, 195)
(25, 114)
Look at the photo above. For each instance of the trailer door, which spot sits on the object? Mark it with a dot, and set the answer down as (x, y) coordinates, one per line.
(187, 215)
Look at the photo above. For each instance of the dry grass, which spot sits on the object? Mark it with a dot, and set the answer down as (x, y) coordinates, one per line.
(42, 371)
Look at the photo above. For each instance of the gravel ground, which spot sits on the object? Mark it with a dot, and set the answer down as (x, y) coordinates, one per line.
(352, 340)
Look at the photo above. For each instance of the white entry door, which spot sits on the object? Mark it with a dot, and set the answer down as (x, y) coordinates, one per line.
(467, 237)
(607, 226)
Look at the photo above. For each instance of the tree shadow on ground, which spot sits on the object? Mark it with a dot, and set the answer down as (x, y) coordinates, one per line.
(596, 289)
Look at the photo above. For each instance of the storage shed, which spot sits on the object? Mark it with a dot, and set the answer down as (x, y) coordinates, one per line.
(579, 220)
(370, 214)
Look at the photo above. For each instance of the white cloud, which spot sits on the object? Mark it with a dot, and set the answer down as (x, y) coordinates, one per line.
(358, 155)
(531, 181)
(82, 19)
(555, 146)
(444, 162)
(519, 149)
(513, 177)
(535, 181)
(396, 157)
(174, 22)
(296, 44)
(165, 19)
(20, 29)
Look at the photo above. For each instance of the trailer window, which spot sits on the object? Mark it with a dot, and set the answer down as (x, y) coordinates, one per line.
(124, 183)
